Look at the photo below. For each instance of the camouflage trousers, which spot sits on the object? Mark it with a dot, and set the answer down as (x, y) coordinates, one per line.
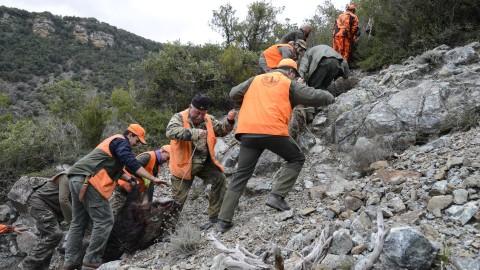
(50, 232)
(297, 122)
(210, 174)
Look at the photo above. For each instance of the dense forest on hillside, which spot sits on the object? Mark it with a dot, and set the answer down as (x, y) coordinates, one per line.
(31, 60)
(61, 92)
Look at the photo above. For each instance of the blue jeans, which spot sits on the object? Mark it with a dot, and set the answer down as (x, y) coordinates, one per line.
(96, 208)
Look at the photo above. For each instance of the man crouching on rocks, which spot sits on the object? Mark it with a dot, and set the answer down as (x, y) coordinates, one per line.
(92, 180)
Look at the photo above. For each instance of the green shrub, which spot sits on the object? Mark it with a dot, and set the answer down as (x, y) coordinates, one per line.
(28, 146)
(92, 119)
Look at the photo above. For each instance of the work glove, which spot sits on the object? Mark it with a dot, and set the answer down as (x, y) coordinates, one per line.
(146, 182)
(125, 185)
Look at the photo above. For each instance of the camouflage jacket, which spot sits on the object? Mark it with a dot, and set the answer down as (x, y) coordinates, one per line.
(176, 131)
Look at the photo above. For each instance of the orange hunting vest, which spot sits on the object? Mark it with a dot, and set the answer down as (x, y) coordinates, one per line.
(181, 151)
(149, 168)
(102, 181)
(266, 106)
(273, 56)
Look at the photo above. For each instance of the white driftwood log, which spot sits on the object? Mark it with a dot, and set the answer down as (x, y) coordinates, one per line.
(318, 250)
(239, 257)
(381, 235)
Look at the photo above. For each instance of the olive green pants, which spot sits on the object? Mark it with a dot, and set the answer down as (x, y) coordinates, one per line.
(251, 148)
(323, 76)
(210, 174)
(95, 208)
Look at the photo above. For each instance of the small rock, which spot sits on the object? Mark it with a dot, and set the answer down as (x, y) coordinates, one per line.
(357, 194)
(285, 215)
(318, 192)
(455, 161)
(307, 211)
(382, 164)
(335, 209)
(460, 196)
(353, 203)
(359, 249)
(439, 202)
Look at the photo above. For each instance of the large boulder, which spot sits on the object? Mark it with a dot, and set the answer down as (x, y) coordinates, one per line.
(407, 248)
(22, 189)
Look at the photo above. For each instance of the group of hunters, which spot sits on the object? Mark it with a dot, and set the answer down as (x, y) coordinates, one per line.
(95, 188)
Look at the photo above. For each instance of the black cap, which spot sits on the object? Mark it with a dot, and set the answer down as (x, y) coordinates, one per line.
(201, 101)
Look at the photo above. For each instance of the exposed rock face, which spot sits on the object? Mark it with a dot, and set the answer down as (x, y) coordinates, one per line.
(80, 34)
(43, 27)
(22, 189)
(101, 39)
(424, 97)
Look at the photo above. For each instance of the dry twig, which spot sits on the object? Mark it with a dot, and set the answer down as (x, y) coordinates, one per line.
(239, 257)
(381, 235)
(318, 250)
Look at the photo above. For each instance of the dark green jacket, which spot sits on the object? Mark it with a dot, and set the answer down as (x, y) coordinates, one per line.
(312, 57)
(300, 94)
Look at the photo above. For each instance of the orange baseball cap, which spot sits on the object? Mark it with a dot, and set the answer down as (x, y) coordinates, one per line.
(139, 131)
(287, 62)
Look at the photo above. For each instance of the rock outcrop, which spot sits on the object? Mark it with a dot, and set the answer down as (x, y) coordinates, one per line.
(80, 34)
(101, 40)
(423, 98)
(43, 27)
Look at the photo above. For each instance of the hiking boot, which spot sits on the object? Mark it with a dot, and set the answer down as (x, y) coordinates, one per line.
(89, 266)
(277, 202)
(73, 267)
(61, 250)
(223, 226)
(163, 239)
(309, 117)
(211, 222)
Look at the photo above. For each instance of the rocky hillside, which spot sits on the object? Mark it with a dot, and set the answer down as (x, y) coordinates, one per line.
(402, 145)
(39, 48)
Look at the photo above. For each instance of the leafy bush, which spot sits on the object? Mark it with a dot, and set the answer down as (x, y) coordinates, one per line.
(65, 98)
(126, 110)
(28, 146)
(92, 119)
(405, 28)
